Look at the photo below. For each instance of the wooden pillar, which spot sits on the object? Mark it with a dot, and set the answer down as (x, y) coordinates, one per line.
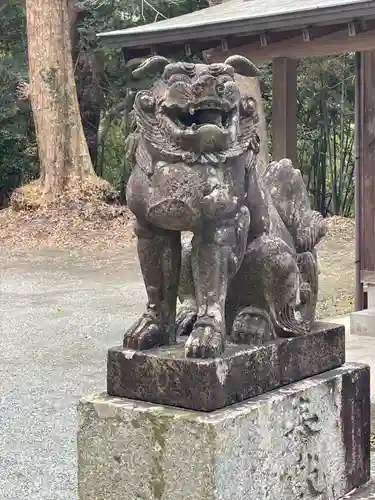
(284, 109)
(366, 216)
(359, 295)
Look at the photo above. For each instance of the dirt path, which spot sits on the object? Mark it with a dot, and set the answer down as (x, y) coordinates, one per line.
(336, 258)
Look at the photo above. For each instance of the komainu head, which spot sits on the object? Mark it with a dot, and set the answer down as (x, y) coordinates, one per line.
(195, 112)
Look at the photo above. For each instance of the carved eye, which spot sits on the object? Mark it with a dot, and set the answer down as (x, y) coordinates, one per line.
(220, 89)
(178, 77)
(147, 102)
(248, 106)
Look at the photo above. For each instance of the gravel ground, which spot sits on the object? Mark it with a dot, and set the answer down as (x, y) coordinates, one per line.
(58, 316)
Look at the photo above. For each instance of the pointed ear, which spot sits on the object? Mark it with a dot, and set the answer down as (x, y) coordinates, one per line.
(154, 64)
(242, 66)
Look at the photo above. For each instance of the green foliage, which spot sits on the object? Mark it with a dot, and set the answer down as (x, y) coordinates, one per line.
(113, 154)
(18, 156)
(325, 129)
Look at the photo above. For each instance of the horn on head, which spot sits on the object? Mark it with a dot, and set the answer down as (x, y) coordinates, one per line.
(154, 64)
(242, 66)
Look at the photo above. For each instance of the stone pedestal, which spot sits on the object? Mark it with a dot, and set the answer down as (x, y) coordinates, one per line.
(363, 323)
(371, 295)
(308, 440)
(165, 376)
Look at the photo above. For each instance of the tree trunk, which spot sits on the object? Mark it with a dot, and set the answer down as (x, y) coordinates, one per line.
(88, 65)
(65, 163)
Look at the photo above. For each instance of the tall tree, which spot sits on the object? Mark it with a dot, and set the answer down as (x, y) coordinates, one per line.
(65, 163)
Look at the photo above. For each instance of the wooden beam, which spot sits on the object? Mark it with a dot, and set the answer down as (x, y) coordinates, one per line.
(284, 109)
(367, 159)
(338, 42)
(368, 277)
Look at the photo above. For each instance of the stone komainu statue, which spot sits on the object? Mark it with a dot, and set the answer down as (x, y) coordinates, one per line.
(250, 269)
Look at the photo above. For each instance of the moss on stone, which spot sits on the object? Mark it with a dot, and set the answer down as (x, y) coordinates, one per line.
(158, 427)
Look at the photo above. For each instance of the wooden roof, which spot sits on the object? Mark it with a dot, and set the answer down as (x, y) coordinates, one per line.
(241, 17)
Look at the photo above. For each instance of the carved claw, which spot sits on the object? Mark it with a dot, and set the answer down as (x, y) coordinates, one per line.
(185, 320)
(146, 333)
(205, 341)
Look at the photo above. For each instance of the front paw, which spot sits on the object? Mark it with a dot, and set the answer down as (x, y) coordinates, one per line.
(146, 333)
(205, 341)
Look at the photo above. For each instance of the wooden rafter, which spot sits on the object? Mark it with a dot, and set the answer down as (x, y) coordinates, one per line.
(337, 42)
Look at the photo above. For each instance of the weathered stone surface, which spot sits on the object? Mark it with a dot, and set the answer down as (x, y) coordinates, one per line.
(363, 323)
(371, 295)
(309, 440)
(194, 150)
(165, 376)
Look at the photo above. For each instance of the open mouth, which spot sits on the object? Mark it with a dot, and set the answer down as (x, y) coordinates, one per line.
(207, 128)
(193, 118)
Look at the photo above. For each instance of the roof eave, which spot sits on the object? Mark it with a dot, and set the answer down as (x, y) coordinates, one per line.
(252, 26)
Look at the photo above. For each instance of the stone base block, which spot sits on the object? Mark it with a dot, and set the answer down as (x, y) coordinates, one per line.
(363, 323)
(366, 492)
(309, 440)
(371, 295)
(164, 376)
